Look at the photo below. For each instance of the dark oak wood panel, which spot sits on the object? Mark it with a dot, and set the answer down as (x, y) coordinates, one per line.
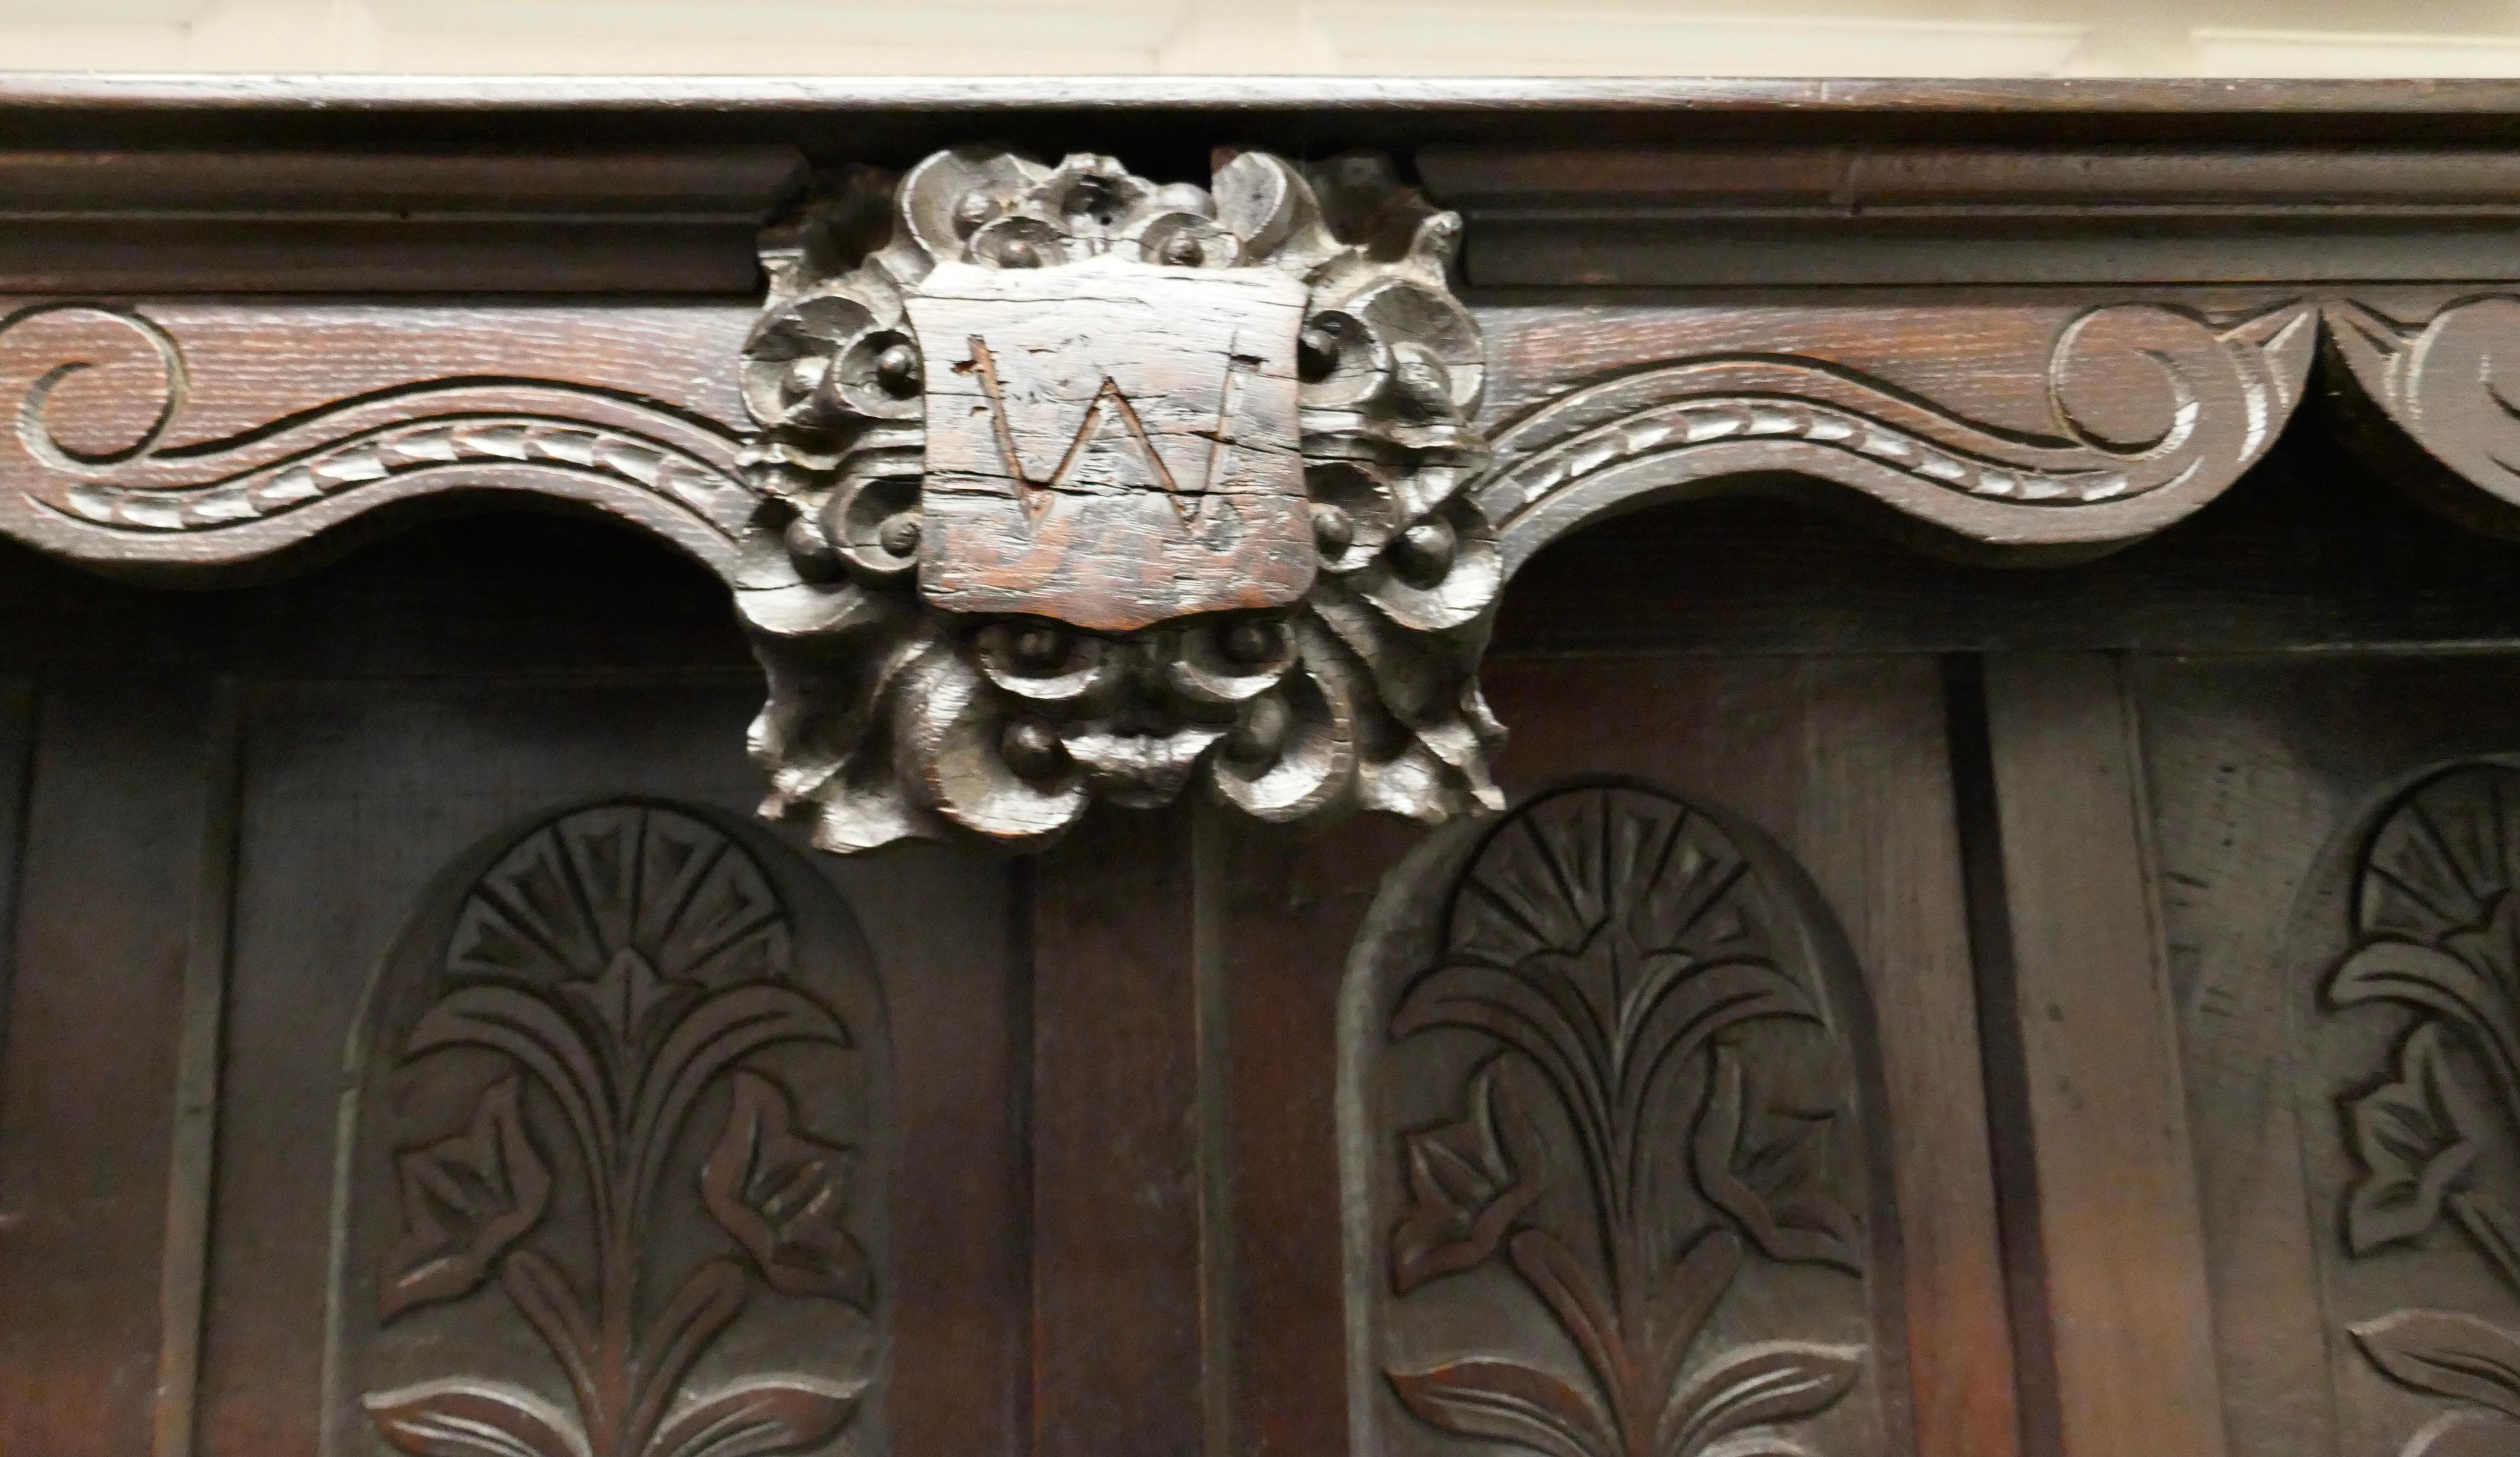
(2123, 1059)
(2310, 551)
(1294, 902)
(237, 431)
(619, 1101)
(2121, 1232)
(352, 808)
(105, 915)
(1861, 787)
(356, 776)
(1120, 1337)
(1847, 760)
(665, 221)
(192, 1164)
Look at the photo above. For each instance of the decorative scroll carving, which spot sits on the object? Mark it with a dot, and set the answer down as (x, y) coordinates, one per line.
(1043, 485)
(2147, 402)
(2433, 1131)
(136, 496)
(1611, 1178)
(623, 1107)
(1094, 486)
(2440, 383)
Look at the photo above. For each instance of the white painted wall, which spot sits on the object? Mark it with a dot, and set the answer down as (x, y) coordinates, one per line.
(1490, 37)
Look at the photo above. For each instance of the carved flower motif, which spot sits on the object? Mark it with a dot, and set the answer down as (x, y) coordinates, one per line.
(624, 961)
(781, 1194)
(1776, 1186)
(1465, 1192)
(628, 1000)
(465, 1198)
(1607, 939)
(2440, 918)
(473, 1417)
(2417, 1138)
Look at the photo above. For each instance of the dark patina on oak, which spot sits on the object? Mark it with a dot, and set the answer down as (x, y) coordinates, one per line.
(2013, 931)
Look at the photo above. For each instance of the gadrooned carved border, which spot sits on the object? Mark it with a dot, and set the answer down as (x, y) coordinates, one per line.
(1611, 1145)
(617, 1176)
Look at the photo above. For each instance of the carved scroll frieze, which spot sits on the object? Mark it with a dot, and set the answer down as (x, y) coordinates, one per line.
(1096, 487)
(1044, 485)
(1610, 1147)
(112, 467)
(2420, 1053)
(2436, 376)
(2145, 412)
(618, 1179)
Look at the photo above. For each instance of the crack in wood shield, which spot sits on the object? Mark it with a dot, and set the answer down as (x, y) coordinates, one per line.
(1111, 446)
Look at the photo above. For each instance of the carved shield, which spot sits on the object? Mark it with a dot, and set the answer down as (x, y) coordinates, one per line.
(1111, 444)
(1090, 485)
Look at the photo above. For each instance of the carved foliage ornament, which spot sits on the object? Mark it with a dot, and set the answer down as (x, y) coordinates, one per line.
(2433, 1131)
(1041, 485)
(1094, 486)
(1608, 1180)
(598, 1193)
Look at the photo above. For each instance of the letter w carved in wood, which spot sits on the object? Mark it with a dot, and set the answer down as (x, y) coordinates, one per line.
(1109, 403)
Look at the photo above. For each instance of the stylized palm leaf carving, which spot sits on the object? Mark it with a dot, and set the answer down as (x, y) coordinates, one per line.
(2437, 916)
(624, 961)
(1610, 942)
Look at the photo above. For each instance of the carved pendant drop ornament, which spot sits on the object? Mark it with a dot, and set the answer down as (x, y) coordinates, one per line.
(1089, 486)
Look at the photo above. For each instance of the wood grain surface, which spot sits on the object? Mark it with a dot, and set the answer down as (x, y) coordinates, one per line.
(2253, 333)
(2278, 785)
(2125, 1261)
(1886, 213)
(113, 854)
(1294, 904)
(1119, 1337)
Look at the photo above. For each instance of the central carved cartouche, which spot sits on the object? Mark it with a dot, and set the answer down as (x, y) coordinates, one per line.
(1085, 486)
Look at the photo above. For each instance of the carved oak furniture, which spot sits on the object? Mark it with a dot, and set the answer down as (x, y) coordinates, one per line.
(1608, 770)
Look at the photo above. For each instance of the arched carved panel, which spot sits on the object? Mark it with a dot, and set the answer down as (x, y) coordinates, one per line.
(1612, 1146)
(620, 1157)
(2412, 933)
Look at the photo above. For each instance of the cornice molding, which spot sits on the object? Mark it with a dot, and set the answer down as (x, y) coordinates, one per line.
(949, 94)
(893, 121)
